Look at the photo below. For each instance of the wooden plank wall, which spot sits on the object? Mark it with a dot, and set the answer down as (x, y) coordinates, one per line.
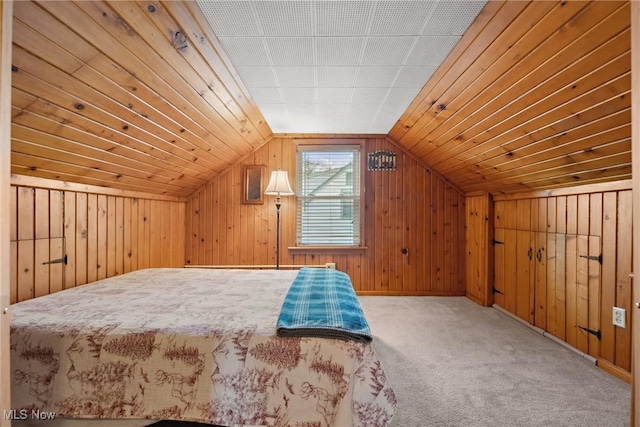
(479, 260)
(409, 208)
(6, 11)
(635, 132)
(102, 234)
(588, 219)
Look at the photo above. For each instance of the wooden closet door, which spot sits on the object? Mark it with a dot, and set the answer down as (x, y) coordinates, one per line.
(524, 276)
(582, 292)
(506, 272)
(540, 280)
(499, 261)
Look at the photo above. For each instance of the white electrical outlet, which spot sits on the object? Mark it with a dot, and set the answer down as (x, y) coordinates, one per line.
(330, 265)
(619, 317)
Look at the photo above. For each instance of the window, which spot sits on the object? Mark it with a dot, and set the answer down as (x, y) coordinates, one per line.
(328, 195)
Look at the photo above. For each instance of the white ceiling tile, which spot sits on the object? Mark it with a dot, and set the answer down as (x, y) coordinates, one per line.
(330, 110)
(296, 76)
(332, 126)
(432, 50)
(290, 50)
(362, 113)
(386, 50)
(303, 117)
(414, 77)
(266, 95)
(337, 66)
(397, 17)
(359, 124)
(401, 96)
(336, 76)
(285, 18)
(452, 17)
(370, 96)
(376, 76)
(277, 117)
(257, 76)
(245, 51)
(299, 95)
(328, 123)
(390, 110)
(343, 51)
(303, 109)
(222, 15)
(334, 95)
(343, 18)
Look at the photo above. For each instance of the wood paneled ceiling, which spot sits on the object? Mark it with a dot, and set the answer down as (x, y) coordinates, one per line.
(536, 95)
(104, 94)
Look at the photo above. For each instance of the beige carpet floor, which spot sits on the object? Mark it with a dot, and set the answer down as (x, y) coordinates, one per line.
(454, 363)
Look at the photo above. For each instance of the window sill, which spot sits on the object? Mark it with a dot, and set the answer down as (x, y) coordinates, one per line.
(327, 249)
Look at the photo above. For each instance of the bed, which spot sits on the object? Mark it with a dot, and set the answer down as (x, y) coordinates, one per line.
(189, 344)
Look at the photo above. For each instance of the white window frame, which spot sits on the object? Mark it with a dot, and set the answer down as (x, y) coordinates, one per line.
(342, 145)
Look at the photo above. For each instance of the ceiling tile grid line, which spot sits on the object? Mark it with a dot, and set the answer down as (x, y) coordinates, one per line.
(286, 51)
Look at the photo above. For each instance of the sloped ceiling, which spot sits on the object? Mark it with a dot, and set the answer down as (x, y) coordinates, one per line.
(337, 66)
(535, 96)
(142, 96)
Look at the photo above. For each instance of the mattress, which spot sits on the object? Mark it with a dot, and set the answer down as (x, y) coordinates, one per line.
(189, 344)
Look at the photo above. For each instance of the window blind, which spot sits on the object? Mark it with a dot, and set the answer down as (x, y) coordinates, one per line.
(328, 196)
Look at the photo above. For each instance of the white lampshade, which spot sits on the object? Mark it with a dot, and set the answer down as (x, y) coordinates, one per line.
(279, 184)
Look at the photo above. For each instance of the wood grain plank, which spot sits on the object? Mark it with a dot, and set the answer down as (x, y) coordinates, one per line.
(215, 55)
(510, 270)
(500, 263)
(123, 145)
(571, 290)
(155, 234)
(34, 72)
(540, 284)
(111, 236)
(70, 238)
(13, 272)
(497, 69)
(196, 66)
(551, 283)
(609, 278)
(598, 131)
(523, 265)
(564, 67)
(542, 215)
(127, 234)
(13, 244)
(119, 235)
(582, 293)
(56, 271)
(572, 215)
(81, 236)
(92, 237)
(41, 269)
(594, 289)
(561, 285)
(103, 207)
(623, 281)
(26, 270)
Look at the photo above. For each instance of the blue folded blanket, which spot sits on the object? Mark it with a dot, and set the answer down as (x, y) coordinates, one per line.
(322, 303)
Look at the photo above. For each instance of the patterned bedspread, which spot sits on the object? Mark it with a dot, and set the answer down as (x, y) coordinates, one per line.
(189, 344)
(322, 303)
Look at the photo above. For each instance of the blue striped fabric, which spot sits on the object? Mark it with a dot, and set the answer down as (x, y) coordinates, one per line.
(322, 303)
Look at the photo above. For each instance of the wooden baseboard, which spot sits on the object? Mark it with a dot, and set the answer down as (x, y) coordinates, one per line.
(476, 300)
(413, 293)
(614, 370)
